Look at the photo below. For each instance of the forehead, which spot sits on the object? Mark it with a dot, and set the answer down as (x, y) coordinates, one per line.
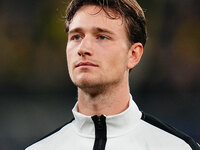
(92, 15)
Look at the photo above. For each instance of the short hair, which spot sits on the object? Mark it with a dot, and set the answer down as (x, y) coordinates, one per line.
(129, 10)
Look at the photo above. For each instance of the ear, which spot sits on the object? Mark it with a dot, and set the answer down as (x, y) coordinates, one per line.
(134, 55)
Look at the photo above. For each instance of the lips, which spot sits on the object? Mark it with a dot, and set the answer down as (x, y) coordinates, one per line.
(85, 64)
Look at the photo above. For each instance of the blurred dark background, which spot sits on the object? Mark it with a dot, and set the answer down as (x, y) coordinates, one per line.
(36, 94)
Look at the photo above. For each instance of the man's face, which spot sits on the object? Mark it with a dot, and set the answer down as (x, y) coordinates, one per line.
(97, 49)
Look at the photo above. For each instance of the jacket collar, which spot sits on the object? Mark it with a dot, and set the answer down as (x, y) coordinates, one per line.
(117, 125)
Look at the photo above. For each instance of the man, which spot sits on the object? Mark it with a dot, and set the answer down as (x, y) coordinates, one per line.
(105, 41)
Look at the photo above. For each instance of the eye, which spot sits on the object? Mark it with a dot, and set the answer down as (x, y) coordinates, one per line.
(76, 37)
(102, 37)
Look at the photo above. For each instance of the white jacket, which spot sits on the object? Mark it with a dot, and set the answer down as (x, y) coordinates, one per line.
(129, 130)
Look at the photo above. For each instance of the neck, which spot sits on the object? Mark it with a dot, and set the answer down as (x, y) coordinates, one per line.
(113, 100)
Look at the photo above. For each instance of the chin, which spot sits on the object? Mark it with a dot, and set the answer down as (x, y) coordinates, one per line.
(89, 85)
(84, 83)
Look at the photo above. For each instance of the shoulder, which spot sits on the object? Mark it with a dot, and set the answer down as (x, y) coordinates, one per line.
(52, 138)
(162, 134)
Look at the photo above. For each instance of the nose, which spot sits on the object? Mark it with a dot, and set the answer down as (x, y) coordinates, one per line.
(85, 48)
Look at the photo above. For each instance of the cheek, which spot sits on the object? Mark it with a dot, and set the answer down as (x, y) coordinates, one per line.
(69, 57)
(113, 63)
(69, 63)
(71, 50)
(117, 57)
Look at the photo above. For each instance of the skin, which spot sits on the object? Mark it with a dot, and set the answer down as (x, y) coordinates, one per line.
(99, 57)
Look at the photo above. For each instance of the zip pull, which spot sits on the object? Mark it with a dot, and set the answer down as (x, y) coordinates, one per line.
(100, 122)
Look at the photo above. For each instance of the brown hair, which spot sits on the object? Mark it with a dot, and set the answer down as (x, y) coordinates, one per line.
(130, 11)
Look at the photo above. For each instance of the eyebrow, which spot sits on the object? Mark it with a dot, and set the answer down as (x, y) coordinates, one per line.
(102, 30)
(75, 30)
(94, 29)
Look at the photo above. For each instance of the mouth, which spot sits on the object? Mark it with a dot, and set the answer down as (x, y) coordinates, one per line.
(85, 64)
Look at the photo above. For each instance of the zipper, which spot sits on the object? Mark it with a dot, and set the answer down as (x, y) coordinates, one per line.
(100, 132)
